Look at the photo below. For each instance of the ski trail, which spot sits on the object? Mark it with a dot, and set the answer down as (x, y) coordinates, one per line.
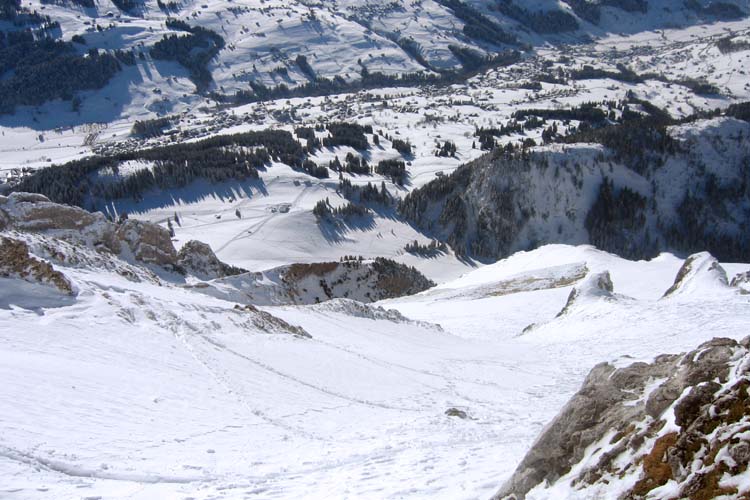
(70, 470)
(304, 383)
(226, 385)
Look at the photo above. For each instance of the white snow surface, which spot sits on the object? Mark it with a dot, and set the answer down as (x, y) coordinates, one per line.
(149, 390)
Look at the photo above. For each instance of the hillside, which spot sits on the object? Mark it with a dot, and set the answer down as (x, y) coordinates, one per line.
(643, 189)
(446, 249)
(98, 347)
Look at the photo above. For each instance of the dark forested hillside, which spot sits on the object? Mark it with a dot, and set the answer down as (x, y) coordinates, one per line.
(630, 189)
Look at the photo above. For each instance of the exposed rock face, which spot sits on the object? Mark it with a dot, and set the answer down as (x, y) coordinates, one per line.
(742, 281)
(17, 262)
(678, 431)
(198, 259)
(698, 271)
(597, 285)
(35, 213)
(363, 281)
(269, 323)
(148, 242)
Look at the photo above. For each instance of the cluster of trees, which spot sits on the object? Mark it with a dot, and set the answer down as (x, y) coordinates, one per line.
(638, 140)
(80, 3)
(348, 134)
(305, 67)
(615, 218)
(727, 45)
(45, 69)
(741, 111)
(151, 128)
(308, 134)
(722, 10)
(11, 10)
(585, 10)
(128, 5)
(396, 279)
(175, 167)
(368, 193)
(353, 164)
(217, 159)
(628, 5)
(434, 247)
(324, 211)
(470, 59)
(402, 146)
(414, 49)
(627, 75)
(315, 170)
(590, 113)
(448, 149)
(395, 169)
(551, 21)
(193, 51)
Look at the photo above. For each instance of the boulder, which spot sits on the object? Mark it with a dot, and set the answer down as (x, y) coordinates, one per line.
(197, 258)
(149, 243)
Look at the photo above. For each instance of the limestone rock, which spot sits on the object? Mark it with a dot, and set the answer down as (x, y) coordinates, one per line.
(149, 243)
(618, 400)
(198, 259)
(17, 262)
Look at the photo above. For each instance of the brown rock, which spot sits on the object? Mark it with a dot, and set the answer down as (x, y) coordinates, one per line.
(149, 243)
(17, 262)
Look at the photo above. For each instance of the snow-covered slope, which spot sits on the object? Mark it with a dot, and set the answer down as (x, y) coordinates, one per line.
(139, 387)
(263, 42)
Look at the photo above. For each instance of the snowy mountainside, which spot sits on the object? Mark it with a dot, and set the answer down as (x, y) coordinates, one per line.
(616, 198)
(225, 222)
(248, 48)
(446, 126)
(138, 386)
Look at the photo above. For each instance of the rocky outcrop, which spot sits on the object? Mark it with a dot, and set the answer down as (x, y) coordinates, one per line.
(146, 242)
(363, 281)
(268, 323)
(683, 418)
(16, 262)
(198, 259)
(700, 271)
(36, 213)
(742, 281)
(149, 243)
(595, 286)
